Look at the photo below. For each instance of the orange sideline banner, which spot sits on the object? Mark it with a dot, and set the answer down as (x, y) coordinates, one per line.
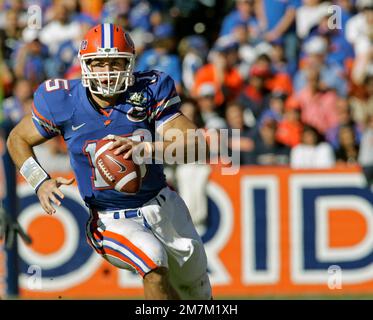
(271, 231)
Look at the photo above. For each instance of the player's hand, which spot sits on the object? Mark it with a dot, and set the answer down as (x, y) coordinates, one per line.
(122, 145)
(48, 190)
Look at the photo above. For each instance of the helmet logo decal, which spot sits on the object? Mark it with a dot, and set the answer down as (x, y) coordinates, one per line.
(84, 44)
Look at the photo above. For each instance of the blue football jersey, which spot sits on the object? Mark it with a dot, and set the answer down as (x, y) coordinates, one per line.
(62, 107)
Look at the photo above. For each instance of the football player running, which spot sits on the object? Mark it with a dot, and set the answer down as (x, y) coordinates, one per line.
(150, 232)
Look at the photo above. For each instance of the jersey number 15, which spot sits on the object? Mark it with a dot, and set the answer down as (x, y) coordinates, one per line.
(97, 179)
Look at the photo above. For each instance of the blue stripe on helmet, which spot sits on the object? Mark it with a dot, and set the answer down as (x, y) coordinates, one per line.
(111, 35)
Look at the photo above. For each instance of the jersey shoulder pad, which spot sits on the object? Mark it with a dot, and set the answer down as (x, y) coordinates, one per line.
(164, 101)
(157, 82)
(58, 96)
(147, 78)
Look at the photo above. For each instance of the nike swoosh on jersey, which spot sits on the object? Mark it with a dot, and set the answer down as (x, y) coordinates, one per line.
(121, 166)
(77, 127)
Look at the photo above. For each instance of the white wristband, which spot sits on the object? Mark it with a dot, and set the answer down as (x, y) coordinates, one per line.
(33, 173)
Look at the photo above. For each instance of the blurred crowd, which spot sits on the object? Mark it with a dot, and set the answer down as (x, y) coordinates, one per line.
(295, 76)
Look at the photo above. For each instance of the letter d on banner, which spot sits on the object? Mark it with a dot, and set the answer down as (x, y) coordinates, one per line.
(331, 224)
(34, 280)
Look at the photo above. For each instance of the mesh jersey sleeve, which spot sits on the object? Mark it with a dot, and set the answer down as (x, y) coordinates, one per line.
(42, 116)
(166, 105)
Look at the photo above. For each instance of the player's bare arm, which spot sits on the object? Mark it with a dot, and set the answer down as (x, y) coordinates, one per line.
(183, 125)
(20, 142)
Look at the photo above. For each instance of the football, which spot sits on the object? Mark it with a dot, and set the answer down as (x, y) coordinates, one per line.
(122, 174)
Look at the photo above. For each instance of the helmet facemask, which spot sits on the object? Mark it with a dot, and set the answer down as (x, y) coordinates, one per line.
(107, 83)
